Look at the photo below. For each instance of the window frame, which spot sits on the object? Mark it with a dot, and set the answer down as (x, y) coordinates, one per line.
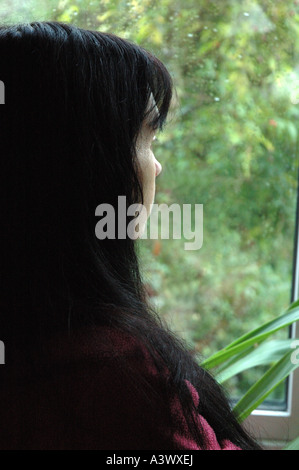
(275, 428)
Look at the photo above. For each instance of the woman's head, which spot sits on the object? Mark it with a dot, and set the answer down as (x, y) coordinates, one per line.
(81, 110)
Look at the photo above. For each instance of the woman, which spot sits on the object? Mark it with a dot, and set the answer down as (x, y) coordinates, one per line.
(88, 363)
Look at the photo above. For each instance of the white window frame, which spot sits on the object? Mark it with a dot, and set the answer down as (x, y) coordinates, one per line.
(275, 428)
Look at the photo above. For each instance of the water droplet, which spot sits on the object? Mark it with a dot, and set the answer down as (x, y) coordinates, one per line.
(246, 13)
(190, 35)
(216, 98)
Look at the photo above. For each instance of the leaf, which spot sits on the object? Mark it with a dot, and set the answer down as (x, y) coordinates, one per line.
(267, 353)
(256, 336)
(293, 445)
(263, 387)
(290, 316)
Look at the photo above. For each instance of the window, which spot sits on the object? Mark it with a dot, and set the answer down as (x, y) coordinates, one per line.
(275, 425)
(231, 145)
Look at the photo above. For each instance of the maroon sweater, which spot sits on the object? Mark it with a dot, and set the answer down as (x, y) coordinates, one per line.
(99, 391)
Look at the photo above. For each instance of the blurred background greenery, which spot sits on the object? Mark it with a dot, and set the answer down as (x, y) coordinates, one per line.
(231, 144)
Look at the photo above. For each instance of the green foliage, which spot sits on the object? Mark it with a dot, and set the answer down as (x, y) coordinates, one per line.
(294, 445)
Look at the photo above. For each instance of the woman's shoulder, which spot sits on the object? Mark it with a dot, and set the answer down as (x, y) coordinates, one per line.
(139, 396)
(101, 389)
(100, 344)
(127, 392)
(121, 398)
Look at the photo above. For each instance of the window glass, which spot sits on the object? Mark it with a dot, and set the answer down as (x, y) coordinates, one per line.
(230, 144)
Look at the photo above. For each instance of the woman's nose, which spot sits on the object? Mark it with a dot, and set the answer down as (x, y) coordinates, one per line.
(158, 167)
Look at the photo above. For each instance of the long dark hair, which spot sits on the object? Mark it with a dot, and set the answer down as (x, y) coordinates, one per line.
(75, 101)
